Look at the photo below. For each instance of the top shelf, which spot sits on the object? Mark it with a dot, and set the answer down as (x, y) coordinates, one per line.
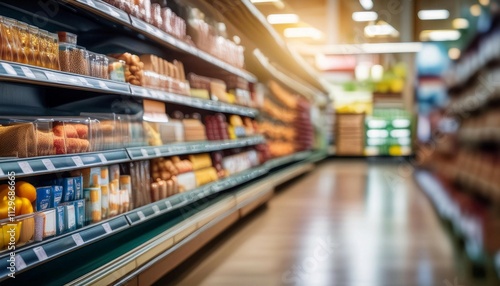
(119, 17)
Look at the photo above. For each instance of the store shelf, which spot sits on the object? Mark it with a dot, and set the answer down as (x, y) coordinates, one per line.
(16, 72)
(43, 165)
(45, 251)
(50, 164)
(141, 153)
(192, 101)
(38, 253)
(277, 162)
(114, 14)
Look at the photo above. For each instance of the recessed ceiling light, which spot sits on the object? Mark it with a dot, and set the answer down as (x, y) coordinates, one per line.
(454, 53)
(381, 29)
(484, 2)
(475, 10)
(303, 32)
(433, 14)
(364, 16)
(439, 35)
(366, 4)
(460, 23)
(283, 18)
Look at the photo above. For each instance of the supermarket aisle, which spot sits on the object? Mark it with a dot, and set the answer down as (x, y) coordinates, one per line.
(346, 223)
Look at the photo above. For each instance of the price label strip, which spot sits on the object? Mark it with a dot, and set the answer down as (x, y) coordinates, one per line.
(25, 166)
(40, 253)
(144, 153)
(28, 73)
(77, 238)
(78, 161)
(107, 227)
(48, 164)
(90, 3)
(157, 152)
(9, 69)
(1, 172)
(168, 204)
(20, 264)
(156, 209)
(51, 76)
(103, 159)
(141, 215)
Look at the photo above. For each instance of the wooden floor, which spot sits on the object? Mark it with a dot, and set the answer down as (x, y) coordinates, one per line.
(346, 223)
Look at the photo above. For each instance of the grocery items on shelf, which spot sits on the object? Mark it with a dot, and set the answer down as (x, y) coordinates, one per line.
(388, 132)
(349, 135)
(28, 44)
(304, 131)
(161, 74)
(155, 14)
(209, 39)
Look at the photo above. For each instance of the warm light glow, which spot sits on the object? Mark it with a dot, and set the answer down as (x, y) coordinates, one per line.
(439, 35)
(283, 18)
(362, 72)
(382, 29)
(366, 4)
(237, 39)
(303, 32)
(377, 72)
(484, 2)
(460, 23)
(433, 14)
(454, 53)
(475, 10)
(364, 16)
(264, 1)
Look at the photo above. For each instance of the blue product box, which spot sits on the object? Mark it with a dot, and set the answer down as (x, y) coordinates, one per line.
(57, 193)
(44, 198)
(80, 213)
(68, 189)
(78, 186)
(60, 220)
(70, 216)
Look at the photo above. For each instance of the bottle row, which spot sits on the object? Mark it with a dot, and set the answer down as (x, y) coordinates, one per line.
(50, 206)
(198, 29)
(24, 137)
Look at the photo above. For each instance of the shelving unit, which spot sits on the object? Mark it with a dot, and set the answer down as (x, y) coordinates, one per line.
(128, 246)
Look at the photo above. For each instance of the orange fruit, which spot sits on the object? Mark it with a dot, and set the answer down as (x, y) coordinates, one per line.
(4, 190)
(27, 207)
(26, 190)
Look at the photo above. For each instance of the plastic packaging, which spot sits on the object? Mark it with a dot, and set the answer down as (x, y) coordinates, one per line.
(116, 69)
(67, 37)
(98, 65)
(73, 59)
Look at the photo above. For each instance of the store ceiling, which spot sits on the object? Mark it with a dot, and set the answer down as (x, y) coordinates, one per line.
(326, 15)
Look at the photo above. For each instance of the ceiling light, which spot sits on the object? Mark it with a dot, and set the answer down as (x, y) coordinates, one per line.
(439, 35)
(475, 10)
(381, 29)
(366, 4)
(433, 14)
(460, 23)
(283, 18)
(365, 16)
(484, 2)
(454, 53)
(264, 1)
(303, 32)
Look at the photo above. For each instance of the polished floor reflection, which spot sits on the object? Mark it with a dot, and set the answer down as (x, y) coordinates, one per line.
(348, 222)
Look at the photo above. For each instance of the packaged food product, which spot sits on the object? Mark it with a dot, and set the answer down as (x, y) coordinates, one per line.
(45, 224)
(44, 198)
(134, 73)
(98, 65)
(60, 220)
(125, 193)
(74, 59)
(116, 69)
(93, 205)
(21, 228)
(67, 37)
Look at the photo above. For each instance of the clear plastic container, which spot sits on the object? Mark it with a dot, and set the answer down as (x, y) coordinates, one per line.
(98, 65)
(116, 69)
(67, 37)
(73, 59)
(24, 231)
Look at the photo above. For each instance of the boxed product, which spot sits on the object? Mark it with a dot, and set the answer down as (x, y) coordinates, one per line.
(93, 206)
(68, 188)
(186, 181)
(69, 216)
(78, 187)
(158, 127)
(44, 198)
(45, 224)
(125, 193)
(79, 213)
(91, 177)
(57, 195)
(60, 220)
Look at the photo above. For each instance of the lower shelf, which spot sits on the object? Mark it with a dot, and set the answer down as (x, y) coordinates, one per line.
(124, 255)
(465, 225)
